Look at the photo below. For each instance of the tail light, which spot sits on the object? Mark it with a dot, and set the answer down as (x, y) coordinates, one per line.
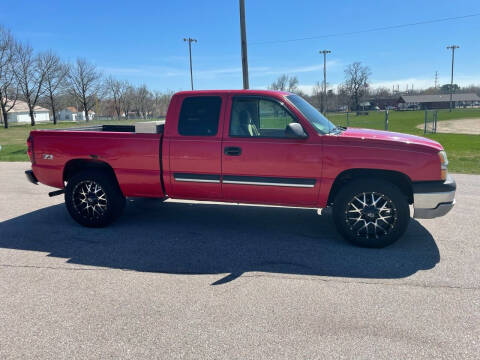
(30, 151)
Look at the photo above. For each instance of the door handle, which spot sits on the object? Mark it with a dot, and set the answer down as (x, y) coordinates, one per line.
(232, 151)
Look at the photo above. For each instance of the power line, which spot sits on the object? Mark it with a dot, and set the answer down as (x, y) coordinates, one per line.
(367, 30)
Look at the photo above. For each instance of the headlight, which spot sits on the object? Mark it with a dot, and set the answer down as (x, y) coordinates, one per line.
(443, 164)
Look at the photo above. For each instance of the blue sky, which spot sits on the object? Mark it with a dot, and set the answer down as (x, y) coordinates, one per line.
(141, 41)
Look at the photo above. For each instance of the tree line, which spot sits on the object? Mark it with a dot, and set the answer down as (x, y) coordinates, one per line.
(357, 88)
(43, 79)
(351, 92)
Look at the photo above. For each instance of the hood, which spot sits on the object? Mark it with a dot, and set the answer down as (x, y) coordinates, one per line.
(370, 134)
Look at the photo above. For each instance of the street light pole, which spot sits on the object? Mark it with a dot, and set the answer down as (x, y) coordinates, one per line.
(324, 96)
(190, 40)
(243, 33)
(452, 47)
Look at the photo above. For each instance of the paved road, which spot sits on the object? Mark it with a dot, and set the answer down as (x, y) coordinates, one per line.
(201, 281)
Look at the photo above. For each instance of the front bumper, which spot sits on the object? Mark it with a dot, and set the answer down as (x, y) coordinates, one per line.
(31, 177)
(432, 199)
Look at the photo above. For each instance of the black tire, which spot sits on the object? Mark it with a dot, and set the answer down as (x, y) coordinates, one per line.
(376, 220)
(93, 198)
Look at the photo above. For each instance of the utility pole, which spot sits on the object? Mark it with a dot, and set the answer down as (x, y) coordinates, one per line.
(436, 79)
(452, 47)
(190, 40)
(324, 97)
(243, 33)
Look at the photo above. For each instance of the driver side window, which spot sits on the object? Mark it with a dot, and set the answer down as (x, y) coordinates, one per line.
(254, 117)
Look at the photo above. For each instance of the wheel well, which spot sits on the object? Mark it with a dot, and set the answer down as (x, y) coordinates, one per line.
(72, 167)
(395, 177)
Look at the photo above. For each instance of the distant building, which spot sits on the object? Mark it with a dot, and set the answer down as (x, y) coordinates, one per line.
(437, 101)
(386, 103)
(20, 113)
(68, 114)
(71, 113)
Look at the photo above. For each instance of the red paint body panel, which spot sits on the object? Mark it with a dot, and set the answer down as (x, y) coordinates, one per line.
(139, 163)
(193, 154)
(273, 157)
(133, 157)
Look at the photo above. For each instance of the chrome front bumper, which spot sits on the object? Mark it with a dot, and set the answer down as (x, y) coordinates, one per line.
(433, 199)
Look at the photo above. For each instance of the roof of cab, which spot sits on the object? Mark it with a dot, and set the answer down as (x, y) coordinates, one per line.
(235, 92)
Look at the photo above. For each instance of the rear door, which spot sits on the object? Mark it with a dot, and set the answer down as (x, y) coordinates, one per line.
(260, 164)
(195, 146)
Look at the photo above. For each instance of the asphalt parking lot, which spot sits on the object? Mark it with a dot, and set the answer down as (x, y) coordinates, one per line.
(181, 280)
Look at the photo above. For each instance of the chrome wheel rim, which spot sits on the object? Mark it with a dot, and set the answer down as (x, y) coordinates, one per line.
(371, 215)
(90, 200)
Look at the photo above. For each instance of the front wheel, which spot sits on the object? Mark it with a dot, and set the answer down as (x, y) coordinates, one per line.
(371, 213)
(93, 198)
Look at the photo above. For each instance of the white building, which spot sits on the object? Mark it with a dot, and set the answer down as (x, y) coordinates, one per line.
(72, 114)
(68, 114)
(20, 113)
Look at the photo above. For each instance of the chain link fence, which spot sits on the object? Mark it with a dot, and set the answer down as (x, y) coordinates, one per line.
(430, 125)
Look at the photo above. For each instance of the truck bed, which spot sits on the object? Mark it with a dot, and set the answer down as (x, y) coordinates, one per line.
(150, 127)
(133, 152)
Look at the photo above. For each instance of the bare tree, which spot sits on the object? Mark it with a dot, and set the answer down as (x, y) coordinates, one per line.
(280, 84)
(285, 83)
(382, 92)
(293, 84)
(116, 90)
(8, 88)
(143, 101)
(343, 98)
(85, 84)
(356, 82)
(317, 93)
(127, 99)
(161, 102)
(30, 73)
(55, 79)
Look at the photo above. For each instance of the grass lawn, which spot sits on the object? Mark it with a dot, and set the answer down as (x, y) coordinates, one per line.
(463, 150)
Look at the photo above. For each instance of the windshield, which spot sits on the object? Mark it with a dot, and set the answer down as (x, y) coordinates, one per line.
(314, 117)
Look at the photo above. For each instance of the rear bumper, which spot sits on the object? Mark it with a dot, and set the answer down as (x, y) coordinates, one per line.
(433, 198)
(31, 177)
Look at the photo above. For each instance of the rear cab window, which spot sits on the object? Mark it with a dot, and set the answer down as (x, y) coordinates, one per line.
(199, 116)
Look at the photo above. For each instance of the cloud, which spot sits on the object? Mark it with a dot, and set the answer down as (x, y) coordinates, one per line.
(308, 89)
(164, 71)
(296, 70)
(257, 71)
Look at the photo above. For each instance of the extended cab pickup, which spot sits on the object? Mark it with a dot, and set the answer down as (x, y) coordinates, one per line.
(246, 146)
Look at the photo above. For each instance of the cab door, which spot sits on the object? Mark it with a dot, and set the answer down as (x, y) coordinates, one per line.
(194, 147)
(260, 162)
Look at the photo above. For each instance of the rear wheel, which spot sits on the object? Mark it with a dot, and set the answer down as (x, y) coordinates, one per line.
(371, 213)
(93, 198)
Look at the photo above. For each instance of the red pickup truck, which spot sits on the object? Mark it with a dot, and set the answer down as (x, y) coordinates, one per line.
(248, 146)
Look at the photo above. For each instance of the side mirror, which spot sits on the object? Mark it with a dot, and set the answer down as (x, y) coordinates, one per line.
(295, 130)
